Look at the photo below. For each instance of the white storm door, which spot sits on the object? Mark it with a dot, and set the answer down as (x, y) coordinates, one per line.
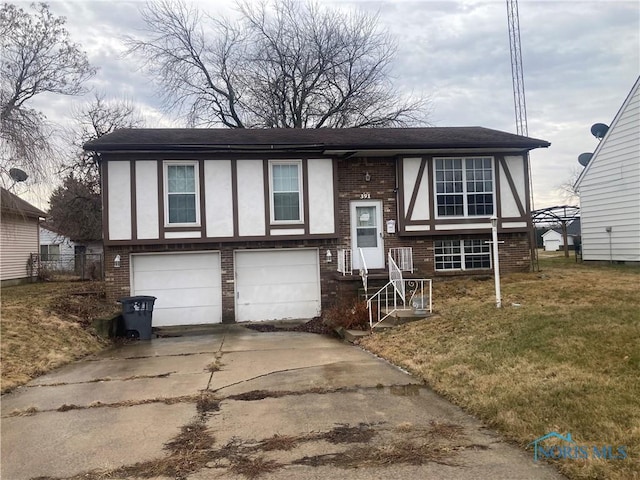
(366, 233)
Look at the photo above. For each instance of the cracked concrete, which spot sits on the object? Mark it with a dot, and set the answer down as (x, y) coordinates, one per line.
(303, 385)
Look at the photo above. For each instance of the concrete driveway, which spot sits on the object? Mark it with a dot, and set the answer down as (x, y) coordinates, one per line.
(242, 404)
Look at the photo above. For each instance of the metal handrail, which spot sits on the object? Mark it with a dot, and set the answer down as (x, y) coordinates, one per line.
(403, 256)
(364, 273)
(387, 297)
(345, 263)
(395, 276)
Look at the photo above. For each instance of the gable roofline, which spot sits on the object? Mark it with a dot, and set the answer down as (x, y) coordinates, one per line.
(11, 203)
(615, 121)
(339, 141)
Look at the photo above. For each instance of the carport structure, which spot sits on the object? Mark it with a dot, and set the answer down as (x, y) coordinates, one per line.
(563, 214)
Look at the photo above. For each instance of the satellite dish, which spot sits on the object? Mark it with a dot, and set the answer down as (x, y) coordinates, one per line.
(599, 130)
(584, 158)
(18, 175)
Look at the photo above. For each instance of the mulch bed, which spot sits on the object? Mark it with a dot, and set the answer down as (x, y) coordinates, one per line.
(315, 325)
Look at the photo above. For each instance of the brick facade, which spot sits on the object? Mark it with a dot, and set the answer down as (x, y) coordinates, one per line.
(352, 185)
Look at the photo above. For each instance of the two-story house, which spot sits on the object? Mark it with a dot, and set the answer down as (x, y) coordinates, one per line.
(239, 225)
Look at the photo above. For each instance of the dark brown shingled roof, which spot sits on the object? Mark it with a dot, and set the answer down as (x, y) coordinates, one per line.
(310, 139)
(14, 204)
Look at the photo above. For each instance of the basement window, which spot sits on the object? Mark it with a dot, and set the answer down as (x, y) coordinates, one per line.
(462, 255)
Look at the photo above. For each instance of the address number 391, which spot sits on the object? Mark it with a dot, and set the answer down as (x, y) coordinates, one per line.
(365, 195)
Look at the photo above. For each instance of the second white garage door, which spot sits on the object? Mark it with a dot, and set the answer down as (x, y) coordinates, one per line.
(277, 284)
(187, 286)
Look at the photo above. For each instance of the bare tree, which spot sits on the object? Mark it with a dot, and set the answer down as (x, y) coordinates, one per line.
(568, 188)
(37, 57)
(288, 64)
(94, 119)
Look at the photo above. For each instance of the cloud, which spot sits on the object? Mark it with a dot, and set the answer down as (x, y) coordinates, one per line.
(580, 58)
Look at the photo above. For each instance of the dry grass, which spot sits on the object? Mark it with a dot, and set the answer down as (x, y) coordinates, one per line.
(567, 359)
(44, 326)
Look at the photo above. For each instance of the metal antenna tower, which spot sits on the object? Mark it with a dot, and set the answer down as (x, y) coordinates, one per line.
(517, 76)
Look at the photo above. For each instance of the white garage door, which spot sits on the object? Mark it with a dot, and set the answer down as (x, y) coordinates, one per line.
(277, 284)
(187, 286)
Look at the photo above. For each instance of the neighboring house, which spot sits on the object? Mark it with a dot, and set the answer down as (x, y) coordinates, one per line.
(18, 238)
(243, 225)
(553, 239)
(609, 188)
(59, 253)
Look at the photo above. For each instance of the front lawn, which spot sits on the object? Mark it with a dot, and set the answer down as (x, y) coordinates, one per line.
(45, 325)
(562, 355)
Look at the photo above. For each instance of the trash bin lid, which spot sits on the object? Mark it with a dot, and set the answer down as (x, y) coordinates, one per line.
(139, 298)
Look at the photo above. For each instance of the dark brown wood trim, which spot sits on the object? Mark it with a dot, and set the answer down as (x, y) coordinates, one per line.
(432, 188)
(242, 240)
(451, 233)
(183, 228)
(305, 194)
(527, 186)
(104, 170)
(161, 219)
(400, 194)
(234, 196)
(287, 226)
(416, 189)
(419, 222)
(134, 203)
(203, 208)
(512, 185)
(498, 189)
(462, 221)
(336, 195)
(266, 174)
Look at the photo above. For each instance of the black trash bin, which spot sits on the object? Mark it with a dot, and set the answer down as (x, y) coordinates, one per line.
(136, 315)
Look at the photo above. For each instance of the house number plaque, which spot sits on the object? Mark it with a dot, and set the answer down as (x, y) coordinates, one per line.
(365, 195)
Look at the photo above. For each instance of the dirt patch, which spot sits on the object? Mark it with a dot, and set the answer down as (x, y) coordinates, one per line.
(315, 325)
(262, 394)
(361, 433)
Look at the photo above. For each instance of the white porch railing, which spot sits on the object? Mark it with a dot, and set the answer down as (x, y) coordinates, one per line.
(345, 263)
(364, 273)
(403, 257)
(399, 294)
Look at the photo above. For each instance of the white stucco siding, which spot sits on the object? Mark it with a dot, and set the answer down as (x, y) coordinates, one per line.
(251, 207)
(508, 203)
(119, 178)
(410, 171)
(147, 218)
(18, 240)
(218, 198)
(321, 189)
(610, 190)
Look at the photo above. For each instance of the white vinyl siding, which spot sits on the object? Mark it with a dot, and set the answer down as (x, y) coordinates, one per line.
(18, 240)
(321, 196)
(251, 206)
(147, 218)
(609, 193)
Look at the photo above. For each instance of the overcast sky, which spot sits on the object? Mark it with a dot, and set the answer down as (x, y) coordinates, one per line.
(580, 59)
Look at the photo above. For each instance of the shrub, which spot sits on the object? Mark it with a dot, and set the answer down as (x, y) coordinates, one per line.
(348, 314)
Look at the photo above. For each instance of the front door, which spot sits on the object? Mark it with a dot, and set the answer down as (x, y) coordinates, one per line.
(366, 234)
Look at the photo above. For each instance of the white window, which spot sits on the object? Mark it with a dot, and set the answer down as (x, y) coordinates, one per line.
(285, 179)
(464, 187)
(49, 253)
(182, 197)
(462, 255)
